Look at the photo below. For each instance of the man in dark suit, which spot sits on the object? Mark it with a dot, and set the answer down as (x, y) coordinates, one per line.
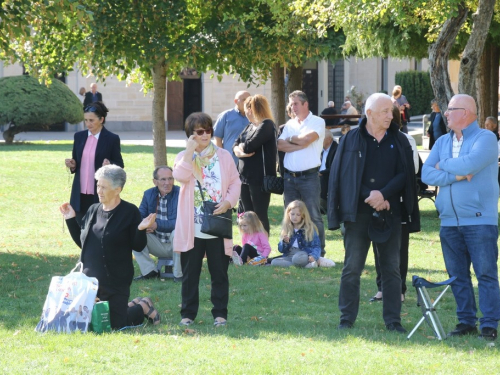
(330, 110)
(329, 150)
(92, 96)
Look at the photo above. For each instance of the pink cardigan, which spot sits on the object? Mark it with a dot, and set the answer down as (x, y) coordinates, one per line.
(231, 187)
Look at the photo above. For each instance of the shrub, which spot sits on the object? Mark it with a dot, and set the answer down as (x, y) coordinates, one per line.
(417, 89)
(26, 104)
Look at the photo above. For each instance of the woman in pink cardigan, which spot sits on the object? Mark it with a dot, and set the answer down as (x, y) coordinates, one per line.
(214, 169)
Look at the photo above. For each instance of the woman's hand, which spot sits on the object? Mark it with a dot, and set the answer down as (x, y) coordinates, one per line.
(147, 222)
(105, 162)
(222, 207)
(192, 143)
(311, 259)
(238, 151)
(286, 239)
(67, 211)
(70, 163)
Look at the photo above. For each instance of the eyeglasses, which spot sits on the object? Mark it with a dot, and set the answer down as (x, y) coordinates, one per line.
(454, 109)
(202, 131)
(169, 179)
(90, 109)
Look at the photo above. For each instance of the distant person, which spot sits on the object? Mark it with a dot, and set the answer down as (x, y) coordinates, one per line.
(437, 128)
(92, 149)
(400, 101)
(464, 164)
(491, 123)
(162, 200)
(330, 110)
(92, 96)
(230, 124)
(81, 94)
(327, 155)
(350, 110)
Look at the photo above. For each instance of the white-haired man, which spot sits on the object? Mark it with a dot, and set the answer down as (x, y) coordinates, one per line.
(330, 110)
(372, 176)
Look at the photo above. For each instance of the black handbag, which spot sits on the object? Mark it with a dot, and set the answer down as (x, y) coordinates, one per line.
(215, 225)
(272, 184)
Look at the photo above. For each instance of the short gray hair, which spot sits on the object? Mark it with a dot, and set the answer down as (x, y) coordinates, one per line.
(114, 174)
(299, 94)
(331, 104)
(373, 98)
(328, 134)
(155, 172)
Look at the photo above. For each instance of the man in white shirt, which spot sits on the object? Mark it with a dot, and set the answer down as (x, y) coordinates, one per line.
(302, 142)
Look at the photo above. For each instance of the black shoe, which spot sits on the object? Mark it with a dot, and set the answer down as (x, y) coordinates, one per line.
(375, 299)
(177, 279)
(397, 327)
(488, 334)
(463, 329)
(151, 275)
(345, 324)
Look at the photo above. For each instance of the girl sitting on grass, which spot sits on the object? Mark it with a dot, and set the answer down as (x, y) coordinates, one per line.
(254, 239)
(299, 240)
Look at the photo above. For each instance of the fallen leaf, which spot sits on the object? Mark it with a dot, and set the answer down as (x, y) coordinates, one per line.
(254, 318)
(136, 341)
(189, 331)
(16, 333)
(286, 273)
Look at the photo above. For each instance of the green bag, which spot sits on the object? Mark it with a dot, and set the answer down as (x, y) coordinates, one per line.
(100, 318)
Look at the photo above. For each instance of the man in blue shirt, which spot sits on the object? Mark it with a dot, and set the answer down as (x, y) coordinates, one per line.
(464, 165)
(231, 123)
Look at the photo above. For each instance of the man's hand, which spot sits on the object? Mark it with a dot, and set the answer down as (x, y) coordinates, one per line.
(147, 222)
(467, 177)
(152, 228)
(376, 200)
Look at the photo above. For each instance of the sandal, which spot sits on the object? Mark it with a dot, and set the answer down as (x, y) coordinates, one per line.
(153, 315)
(186, 322)
(220, 323)
(134, 302)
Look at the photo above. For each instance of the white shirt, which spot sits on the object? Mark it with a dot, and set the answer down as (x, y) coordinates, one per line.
(413, 145)
(457, 145)
(309, 157)
(323, 159)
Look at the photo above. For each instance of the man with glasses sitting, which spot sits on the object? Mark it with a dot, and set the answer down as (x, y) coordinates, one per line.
(162, 200)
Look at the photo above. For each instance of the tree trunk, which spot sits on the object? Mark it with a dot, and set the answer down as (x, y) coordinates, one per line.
(439, 52)
(8, 135)
(474, 48)
(484, 83)
(160, 86)
(278, 103)
(294, 79)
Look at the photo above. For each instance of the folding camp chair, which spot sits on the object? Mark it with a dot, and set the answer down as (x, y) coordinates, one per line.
(428, 308)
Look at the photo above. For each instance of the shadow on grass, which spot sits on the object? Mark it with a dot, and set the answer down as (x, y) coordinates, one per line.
(263, 302)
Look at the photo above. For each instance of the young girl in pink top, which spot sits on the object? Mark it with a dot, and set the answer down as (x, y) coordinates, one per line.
(254, 239)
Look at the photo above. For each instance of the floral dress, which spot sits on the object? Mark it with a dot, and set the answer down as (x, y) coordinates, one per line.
(212, 191)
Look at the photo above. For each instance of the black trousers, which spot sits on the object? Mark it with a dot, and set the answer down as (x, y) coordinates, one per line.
(120, 314)
(256, 200)
(218, 263)
(403, 259)
(245, 252)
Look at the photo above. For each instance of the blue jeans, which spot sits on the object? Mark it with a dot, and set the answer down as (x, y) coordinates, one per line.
(476, 244)
(357, 243)
(307, 189)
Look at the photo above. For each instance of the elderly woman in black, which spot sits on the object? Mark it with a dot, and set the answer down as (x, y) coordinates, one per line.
(92, 149)
(109, 232)
(256, 149)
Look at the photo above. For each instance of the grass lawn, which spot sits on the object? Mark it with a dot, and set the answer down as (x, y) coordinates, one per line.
(281, 321)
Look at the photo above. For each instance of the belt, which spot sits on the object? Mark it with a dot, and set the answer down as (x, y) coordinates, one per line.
(302, 173)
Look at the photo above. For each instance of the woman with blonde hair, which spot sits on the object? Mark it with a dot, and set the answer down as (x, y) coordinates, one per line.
(299, 240)
(256, 149)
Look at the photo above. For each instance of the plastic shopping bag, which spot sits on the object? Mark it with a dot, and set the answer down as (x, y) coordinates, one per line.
(69, 303)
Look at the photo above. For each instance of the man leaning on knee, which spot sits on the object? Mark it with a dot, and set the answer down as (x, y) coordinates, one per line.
(464, 164)
(162, 200)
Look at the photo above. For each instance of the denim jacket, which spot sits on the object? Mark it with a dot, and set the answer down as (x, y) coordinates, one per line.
(310, 247)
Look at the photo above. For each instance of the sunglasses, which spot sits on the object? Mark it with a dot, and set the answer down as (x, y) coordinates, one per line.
(90, 109)
(203, 131)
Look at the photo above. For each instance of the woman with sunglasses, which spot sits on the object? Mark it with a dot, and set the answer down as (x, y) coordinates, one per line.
(256, 149)
(92, 149)
(203, 166)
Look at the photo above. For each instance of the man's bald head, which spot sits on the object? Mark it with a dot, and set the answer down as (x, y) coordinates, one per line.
(461, 112)
(239, 100)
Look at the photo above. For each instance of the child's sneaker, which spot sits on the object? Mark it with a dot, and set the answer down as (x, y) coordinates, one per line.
(311, 265)
(237, 259)
(258, 261)
(323, 262)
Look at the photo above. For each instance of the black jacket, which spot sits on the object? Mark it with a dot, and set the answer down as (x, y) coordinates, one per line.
(108, 147)
(442, 126)
(347, 171)
(120, 238)
(88, 98)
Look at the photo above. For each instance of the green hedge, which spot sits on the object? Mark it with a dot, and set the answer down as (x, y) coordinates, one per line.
(417, 89)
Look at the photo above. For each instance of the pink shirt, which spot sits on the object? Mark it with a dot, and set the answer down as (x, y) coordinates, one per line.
(87, 166)
(259, 241)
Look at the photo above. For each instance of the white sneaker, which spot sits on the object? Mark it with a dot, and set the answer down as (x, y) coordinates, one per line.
(323, 262)
(237, 259)
(311, 265)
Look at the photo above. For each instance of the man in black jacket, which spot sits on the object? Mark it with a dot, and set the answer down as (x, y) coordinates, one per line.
(372, 172)
(92, 96)
(327, 155)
